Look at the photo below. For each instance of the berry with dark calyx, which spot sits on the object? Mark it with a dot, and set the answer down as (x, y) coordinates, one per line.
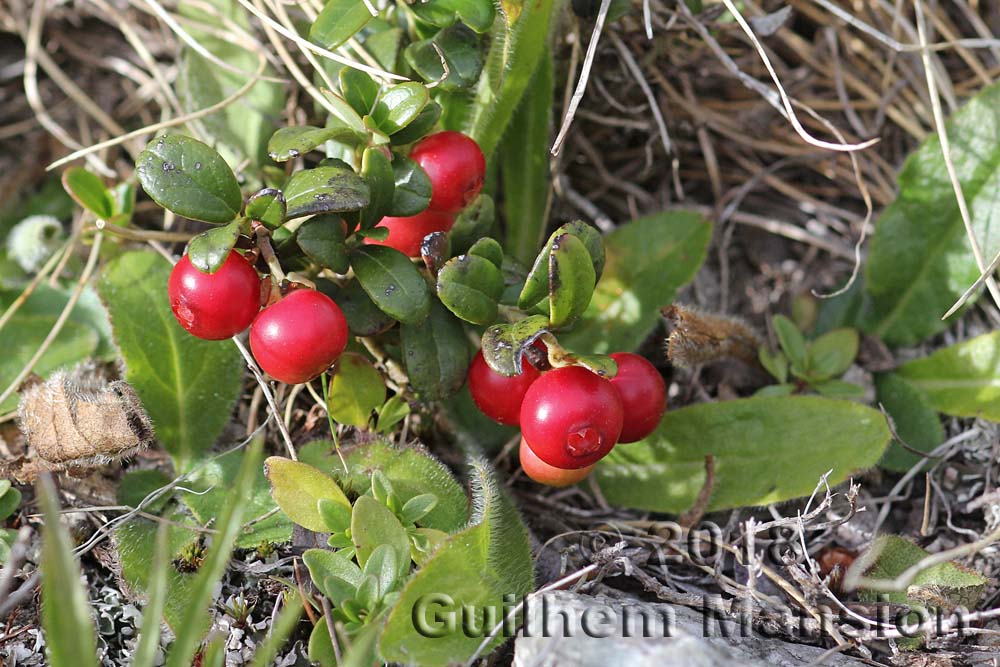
(406, 234)
(643, 393)
(456, 166)
(499, 397)
(543, 473)
(214, 306)
(571, 417)
(299, 337)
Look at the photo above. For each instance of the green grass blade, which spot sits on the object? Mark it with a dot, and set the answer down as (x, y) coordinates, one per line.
(156, 591)
(282, 628)
(66, 619)
(196, 622)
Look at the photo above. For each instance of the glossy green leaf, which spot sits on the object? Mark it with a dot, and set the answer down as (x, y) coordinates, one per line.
(477, 568)
(399, 105)
(89, 191)
(344, 113)
(648, 260)
(478, 14)
(338, 22)
(212, 484)
(22, 336)
(391, 413)
(459, 47)
(268, 206)
(537, 286)
(372, 525)
(377, 171)
(524, 165)
(359, 89)
(917, 422)
(419, 126)
(187, 385)
(210, 249)
(945, 584)
(571, 280)
(289, 143)
(920, 260)
(961, 380)
(503, 344)
(189, 178)
(470, 286)
(473, 223)
(393, 282)
(759, 449)
(298, 487)
(413, 187)
(435, 353)
(364, 318)
(322, 240)
(490, 249)
(325, 190)
(356, 390)
(69, 629)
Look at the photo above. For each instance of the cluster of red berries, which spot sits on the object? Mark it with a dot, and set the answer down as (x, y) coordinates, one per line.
(570, 417)
(297, 337)
(293, 339)
(456, 168)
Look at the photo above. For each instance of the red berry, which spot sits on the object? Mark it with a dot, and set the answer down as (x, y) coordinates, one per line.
(299, 337)
(406, 234)
(216, 305)
(643, 393)
(571, 417)
(456, 167)
(497, 396)
(543, 473)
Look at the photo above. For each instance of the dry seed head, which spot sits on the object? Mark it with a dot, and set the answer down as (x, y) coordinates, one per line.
(77, 418)
(698, 337)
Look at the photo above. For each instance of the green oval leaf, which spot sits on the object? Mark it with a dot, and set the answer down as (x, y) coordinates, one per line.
(338, 22)
(210, 249)
(377, 171)
(920, 261)
(322, 240)
(356, 391)
(647, 261)
(393, 282)
(364, 318)
(490, 249)
(960, 380)
(459, 46)
(470, 286)
(758, 448)
(88, 190)
(478, 14)
(187, 385)
(372, 525)
(503, 344)
(267, 206)
(359, 89)
(329, 189)
(435, 353)
(832, 354)
(289, 143)
(571, 280)
(189, 178)
(419, 126)
(298, 487)
(399, 105)
(473, 223)
(536, 287)
(413, 188)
